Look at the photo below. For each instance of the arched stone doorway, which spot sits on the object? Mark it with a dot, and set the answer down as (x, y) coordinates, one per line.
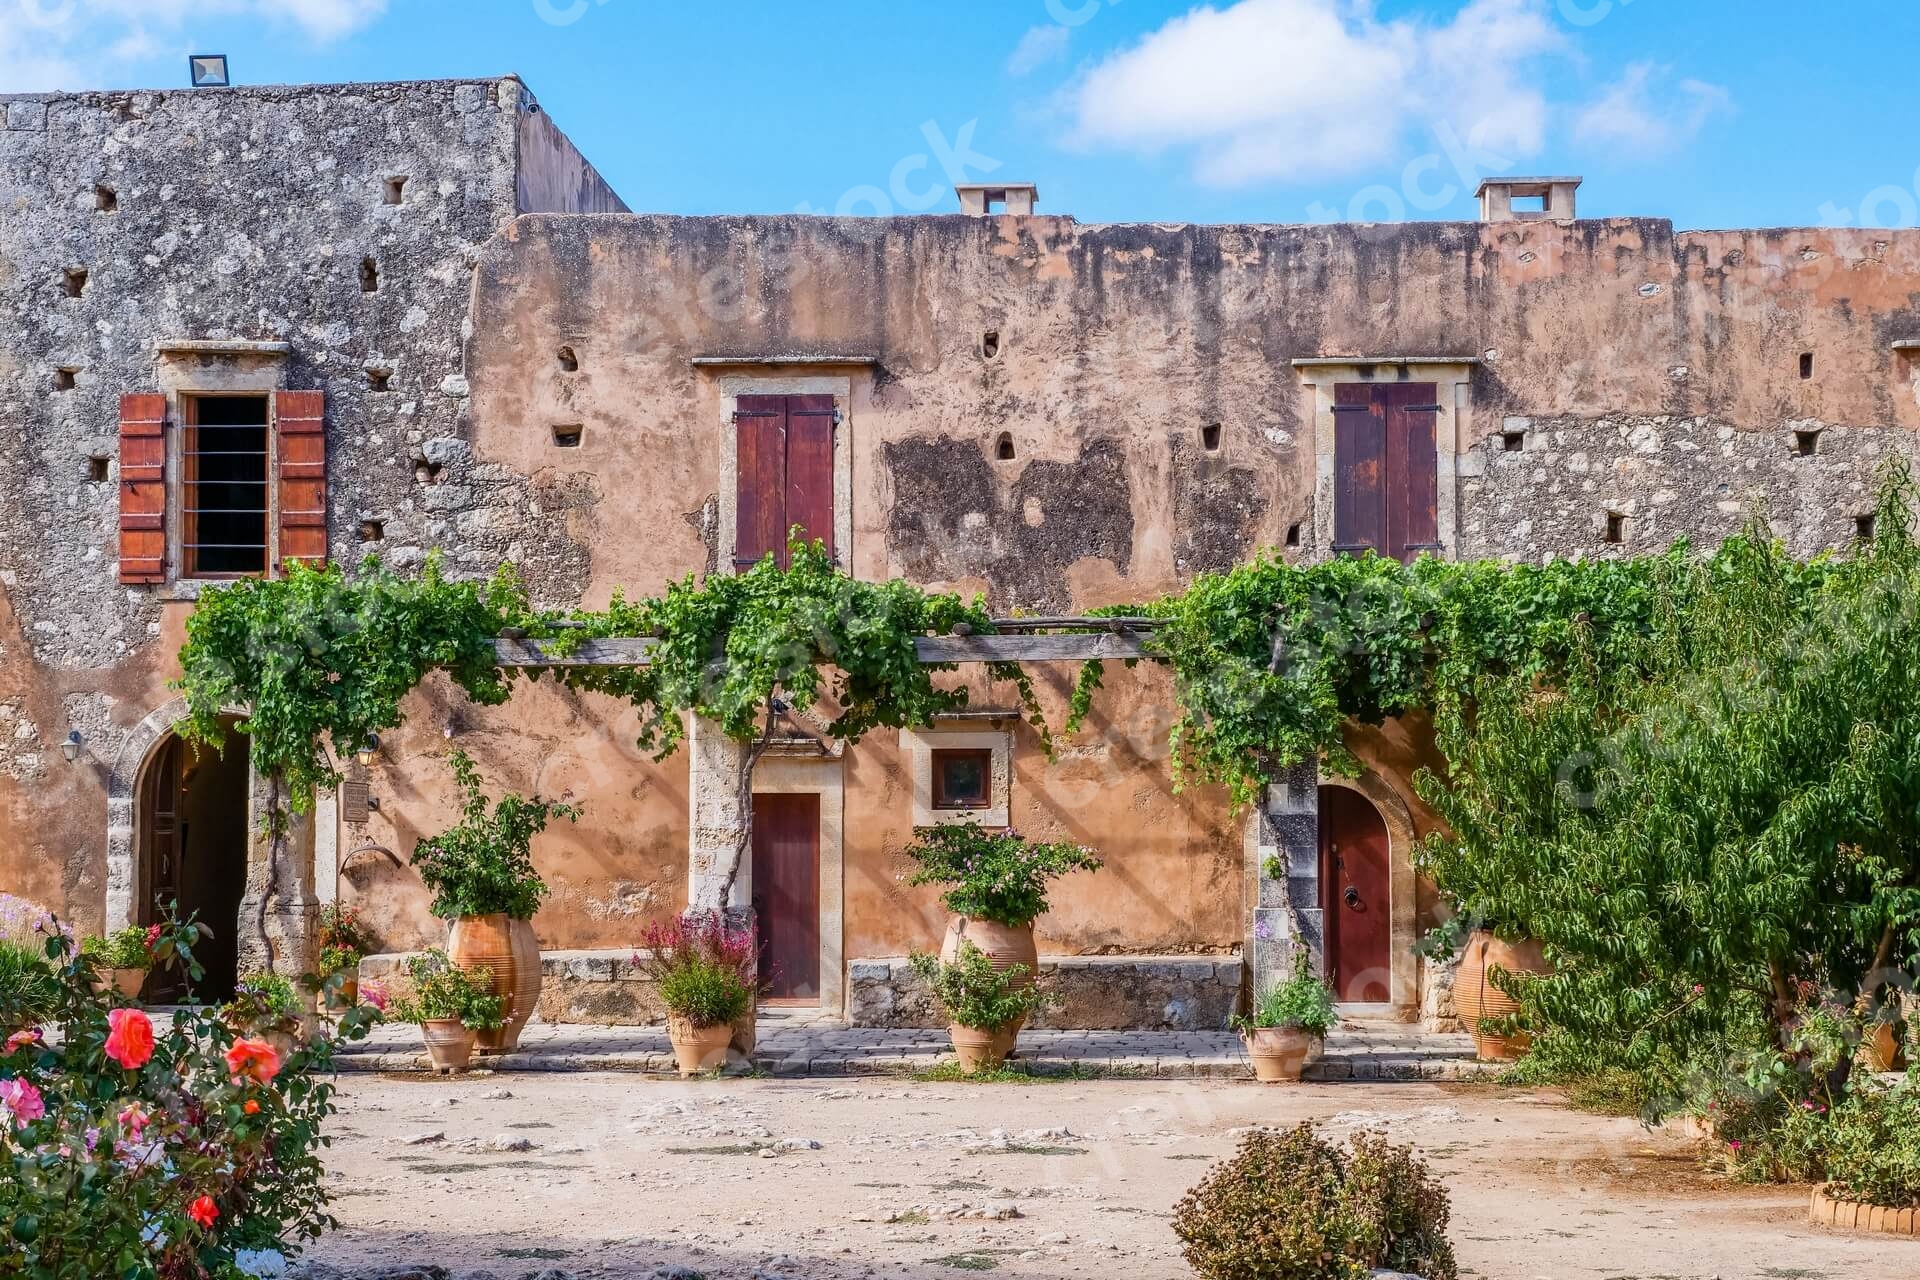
(178, 831)
(1366, 884)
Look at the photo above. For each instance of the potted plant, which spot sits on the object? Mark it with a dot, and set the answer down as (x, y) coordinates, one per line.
(985, 1003)
(482, 876)
(999, 888)
(268, 1007)
(1488, 1011)
(343, 945)
(1291, 1018)
(703, 970)
(29, 987)
(122, 958)
(450, 1004)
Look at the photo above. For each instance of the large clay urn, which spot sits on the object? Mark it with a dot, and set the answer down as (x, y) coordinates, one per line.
(1005, 945)
(1475, 997)
(509, 949)
(1279, 1053)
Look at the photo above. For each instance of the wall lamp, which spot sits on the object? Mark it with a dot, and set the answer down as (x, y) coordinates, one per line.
(367, 750)
(70, 745)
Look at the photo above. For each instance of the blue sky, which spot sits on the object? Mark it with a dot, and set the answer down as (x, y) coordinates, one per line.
(1715, 113)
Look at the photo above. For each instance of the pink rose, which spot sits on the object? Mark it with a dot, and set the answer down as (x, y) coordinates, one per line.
(19, 1099)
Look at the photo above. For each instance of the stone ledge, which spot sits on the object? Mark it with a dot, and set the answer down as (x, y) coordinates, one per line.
(1853, 1215)
(1099, 993)
(599, 988)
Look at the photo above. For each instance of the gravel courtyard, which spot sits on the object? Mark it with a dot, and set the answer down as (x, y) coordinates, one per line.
(592, 1175)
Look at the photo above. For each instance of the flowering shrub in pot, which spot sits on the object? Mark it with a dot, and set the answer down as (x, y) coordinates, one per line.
(984, 1003)
(704, 970)
(155, 1150)
(1291, 1206)
(1290, 1019)
(999, 887)
(344, 943)
(449, 1003)
(483, 879)
(123, 957)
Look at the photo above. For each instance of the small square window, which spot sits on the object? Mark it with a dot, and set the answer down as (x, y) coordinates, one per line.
(963, 779)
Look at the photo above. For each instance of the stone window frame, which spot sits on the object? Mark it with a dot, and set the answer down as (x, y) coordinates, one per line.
(919, 745)
(196, 369)
(1452, 432)
(941, 800)
(733, 385)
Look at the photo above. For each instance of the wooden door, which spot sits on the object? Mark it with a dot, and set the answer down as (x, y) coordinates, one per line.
(1355, 894)
(1386, 493)
(784, 465)
(786, 894)
(160, 858)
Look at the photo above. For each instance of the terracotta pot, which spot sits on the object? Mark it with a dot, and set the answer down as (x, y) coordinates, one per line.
(1005, 945)
(128, 982)
(698, 1049)
(449, 1044)
(1475, 997)
(1279, 1053)
(1880, 1050)
(510, 950)
(981, 1048)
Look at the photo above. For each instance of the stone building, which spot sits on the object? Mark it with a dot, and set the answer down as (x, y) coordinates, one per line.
(428, 323)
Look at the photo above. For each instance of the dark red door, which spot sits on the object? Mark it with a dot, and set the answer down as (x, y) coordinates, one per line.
(786, 894)
(784, 460)
(1354, 893)
(1386, 468)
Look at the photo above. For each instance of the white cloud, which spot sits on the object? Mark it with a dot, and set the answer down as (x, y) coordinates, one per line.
(77, 44)
(1644, 111)
(1037, 48)
(1300, 89)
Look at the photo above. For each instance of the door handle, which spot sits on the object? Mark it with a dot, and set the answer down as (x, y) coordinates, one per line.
(1352, 898)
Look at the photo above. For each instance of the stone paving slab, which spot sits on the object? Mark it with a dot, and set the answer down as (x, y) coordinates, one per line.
(824, 1049)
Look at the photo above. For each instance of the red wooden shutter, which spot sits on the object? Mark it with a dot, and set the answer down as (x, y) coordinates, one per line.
(760, 508)
(1359, 469)
(299, 428)
(1413, 469)
(810, 467)
(143, 488)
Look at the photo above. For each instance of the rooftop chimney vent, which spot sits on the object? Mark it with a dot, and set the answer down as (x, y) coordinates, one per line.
(1498, 197)
(1017, 198)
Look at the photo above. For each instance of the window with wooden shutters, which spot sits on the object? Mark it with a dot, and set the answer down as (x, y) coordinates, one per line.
(1386, 469)
(785, 469)
(301, 476)
(224, 486)
(143, 488)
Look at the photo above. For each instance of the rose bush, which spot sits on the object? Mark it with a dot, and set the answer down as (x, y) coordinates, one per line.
(149, 1151)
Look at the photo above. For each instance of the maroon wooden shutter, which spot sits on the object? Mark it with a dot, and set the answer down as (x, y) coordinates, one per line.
(143, 488)
(1359, 469)
(1413, 469)
(299, 428)
(810, 468)
(760, 509)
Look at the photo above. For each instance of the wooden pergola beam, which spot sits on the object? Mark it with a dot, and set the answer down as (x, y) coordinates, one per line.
(1073, 646)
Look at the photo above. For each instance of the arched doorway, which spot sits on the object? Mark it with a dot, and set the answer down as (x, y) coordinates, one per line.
(1356, 895)
(192, 851)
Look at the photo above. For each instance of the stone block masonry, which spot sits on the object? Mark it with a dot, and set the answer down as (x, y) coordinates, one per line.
(1098, 993)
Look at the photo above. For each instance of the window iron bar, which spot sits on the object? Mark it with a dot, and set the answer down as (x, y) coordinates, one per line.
(226, 546)
(226, 511)
(207, 484)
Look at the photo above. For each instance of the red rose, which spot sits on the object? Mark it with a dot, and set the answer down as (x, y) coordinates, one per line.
(253, 1060)
(204, 1212)
(130, 1040)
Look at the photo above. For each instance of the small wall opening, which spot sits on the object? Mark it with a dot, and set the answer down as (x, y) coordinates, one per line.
(369, 276)
(395, 190)
(1513, 441)
(425, 472)
(372, 531)
(1863, 527)
(74, 281)
(1806, 364)
(1003, 447)
(97, 469)
(1293, 535)
(379, 380)
(568, 436)
(106, 199)
(65, 379)
(1616, 527)
(1210, 437)
(1806, 443)
(569, 360)
(990, 343)
(1529, 204)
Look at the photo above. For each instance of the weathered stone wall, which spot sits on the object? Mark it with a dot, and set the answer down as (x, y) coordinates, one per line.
(1097, 993)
